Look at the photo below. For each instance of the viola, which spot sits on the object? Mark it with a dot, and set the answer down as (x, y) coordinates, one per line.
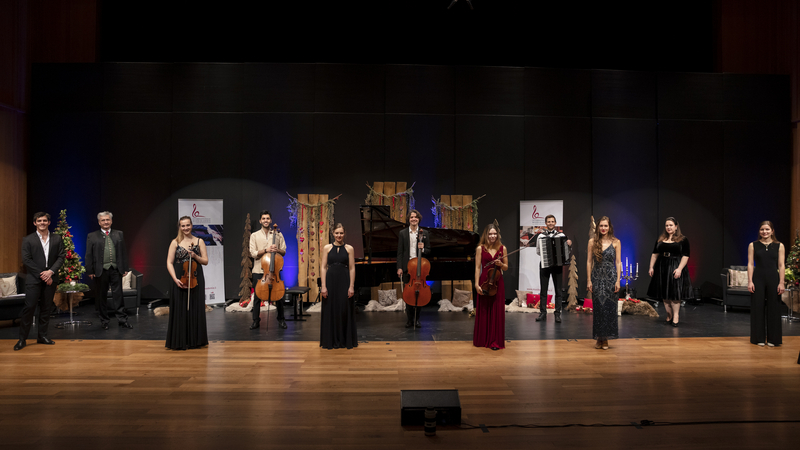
(270, 287)
(417, 292)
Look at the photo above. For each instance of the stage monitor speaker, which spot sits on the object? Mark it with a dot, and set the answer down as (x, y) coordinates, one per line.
(445, 402)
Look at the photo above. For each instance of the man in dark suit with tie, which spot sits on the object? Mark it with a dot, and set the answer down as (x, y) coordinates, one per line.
(107, 264)
(407, 245)
(42, 254)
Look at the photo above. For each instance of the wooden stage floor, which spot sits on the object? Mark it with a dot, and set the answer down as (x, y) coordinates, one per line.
(270, 394)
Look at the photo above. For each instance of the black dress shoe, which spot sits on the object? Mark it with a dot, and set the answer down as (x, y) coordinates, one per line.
(408, 324)
(104, 325)
(20, 345)
(256, 324)
(418, 325)
(125, 325)
(558, 317)
(46, 341)
(542, 316)
(282, 324)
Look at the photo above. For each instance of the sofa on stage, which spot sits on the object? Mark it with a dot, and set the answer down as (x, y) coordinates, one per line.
(11, 305)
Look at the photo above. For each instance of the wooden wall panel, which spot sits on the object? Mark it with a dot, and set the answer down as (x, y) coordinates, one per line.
(63, 31)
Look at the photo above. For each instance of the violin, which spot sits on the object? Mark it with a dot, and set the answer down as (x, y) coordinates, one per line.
(417, 292)
(489, 287)
(270, 287)
(189, 277)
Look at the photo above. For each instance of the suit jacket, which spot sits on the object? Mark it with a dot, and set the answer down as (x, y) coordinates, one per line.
(33, 257)
(403, 242)
(96, 245)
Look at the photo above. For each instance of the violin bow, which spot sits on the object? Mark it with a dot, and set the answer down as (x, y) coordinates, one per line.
(505, 256)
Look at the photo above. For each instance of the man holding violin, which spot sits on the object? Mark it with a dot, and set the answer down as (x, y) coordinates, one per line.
(407, 245)
(261, 242)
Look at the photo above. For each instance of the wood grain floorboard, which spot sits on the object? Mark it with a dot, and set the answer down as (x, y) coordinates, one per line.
(246, 394)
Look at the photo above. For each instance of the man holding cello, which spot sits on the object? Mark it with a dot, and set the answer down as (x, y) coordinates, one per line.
(407, 245)
(261, 242)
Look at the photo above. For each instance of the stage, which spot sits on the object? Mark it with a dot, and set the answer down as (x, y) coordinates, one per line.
(700, 320)
(119, 389)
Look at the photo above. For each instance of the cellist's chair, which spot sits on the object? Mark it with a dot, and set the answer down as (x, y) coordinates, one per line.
(296, 296)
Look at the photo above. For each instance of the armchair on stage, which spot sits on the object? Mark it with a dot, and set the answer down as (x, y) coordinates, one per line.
(734, 288)
(131, 295)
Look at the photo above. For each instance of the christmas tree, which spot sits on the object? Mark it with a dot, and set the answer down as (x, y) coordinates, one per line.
(72, 270)
(793, 261)
(572, 284)
(247, 263)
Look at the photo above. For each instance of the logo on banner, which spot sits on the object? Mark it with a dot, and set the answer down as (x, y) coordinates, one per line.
(196, 213)
(535, 214)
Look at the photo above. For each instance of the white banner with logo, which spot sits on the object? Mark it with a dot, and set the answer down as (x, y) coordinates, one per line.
(206, 217)
(531, 221)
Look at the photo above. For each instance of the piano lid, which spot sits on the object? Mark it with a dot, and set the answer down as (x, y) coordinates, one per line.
(380, 233)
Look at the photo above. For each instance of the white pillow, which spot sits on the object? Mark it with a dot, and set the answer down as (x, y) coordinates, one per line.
(737, 278)
(8, 286)
(461, 298)
(126, 280)
(387, 297)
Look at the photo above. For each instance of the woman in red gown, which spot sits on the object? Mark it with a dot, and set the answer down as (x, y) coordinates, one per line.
(490, 319)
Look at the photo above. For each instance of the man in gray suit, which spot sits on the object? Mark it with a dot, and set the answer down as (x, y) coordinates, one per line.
(107, 264)
(42, 254)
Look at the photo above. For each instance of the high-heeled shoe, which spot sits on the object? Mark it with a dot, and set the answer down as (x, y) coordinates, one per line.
(605, 344)
(675, 324)
(599, 344)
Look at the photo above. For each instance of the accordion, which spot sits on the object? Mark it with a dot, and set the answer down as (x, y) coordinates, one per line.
(554, 250)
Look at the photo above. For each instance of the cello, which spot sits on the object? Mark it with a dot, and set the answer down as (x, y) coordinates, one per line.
(417, 292)
(270, 287)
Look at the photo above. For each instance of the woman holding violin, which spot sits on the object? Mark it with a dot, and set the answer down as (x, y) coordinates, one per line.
(187, 306)
(490, 310)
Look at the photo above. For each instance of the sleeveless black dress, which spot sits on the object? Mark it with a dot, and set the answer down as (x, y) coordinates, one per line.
(338, 327)
(187, 329)
(604, 300)
(765, 312)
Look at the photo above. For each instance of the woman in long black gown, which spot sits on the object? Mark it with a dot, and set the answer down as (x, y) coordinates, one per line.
(187, 307)
(338, 328)
(604, 263)
(669, 282)
(766, 285)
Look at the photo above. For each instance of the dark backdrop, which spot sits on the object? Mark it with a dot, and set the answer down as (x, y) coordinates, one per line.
(713, 150)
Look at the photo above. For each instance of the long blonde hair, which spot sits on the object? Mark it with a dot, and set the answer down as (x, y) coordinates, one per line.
(597, 249)
(677, 236)
(484, 242)
(180, 235)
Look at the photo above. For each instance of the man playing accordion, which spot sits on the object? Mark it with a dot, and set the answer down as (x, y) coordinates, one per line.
(553, 247)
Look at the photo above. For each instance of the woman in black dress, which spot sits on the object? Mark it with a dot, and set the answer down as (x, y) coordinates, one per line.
(187, 307)
(604, 263)
(338, 328)
(669, 281)
(766, 285)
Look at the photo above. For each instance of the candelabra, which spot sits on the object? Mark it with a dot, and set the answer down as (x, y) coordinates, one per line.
(628, 274)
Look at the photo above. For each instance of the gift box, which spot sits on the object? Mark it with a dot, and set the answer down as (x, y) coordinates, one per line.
(587, 303)
(535, 299)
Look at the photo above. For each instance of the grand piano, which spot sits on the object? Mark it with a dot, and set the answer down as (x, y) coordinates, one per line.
(452, 255)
